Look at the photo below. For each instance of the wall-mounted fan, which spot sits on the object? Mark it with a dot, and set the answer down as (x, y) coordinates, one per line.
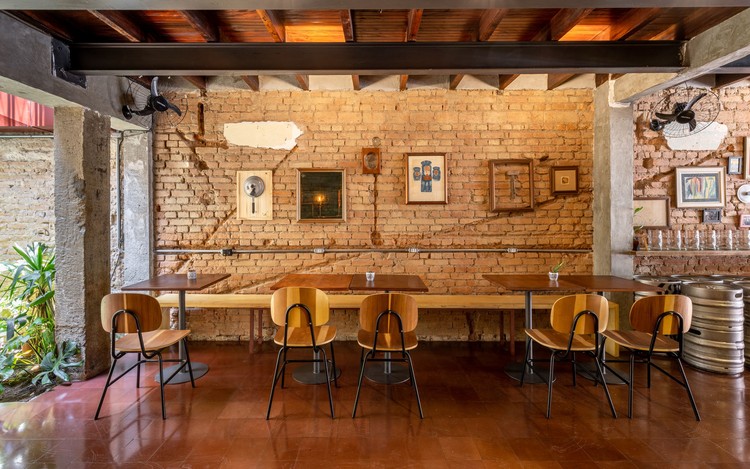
(140, 103)
(685, 111)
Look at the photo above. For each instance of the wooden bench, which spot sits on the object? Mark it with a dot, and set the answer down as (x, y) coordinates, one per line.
(256, 302)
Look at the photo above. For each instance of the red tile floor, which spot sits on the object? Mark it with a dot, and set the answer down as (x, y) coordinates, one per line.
(475, 416)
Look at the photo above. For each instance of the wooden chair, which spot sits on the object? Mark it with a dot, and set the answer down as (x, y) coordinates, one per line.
(301, 314)
(138, 317)
(577, 323)
(659, 323)
(386, 324)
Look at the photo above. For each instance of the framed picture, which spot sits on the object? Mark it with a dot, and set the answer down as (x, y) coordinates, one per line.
(745, 220)
(426, 178)
(699, 187)
(371, 160)
(734, 165)
(321, 195)
(564, 179)
(511, 185)
(746, 150)
(712, 216)
(653, 213)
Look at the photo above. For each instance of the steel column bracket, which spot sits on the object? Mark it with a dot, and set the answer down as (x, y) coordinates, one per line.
(61, 64)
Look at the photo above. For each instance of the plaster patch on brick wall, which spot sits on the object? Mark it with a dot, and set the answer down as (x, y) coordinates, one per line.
(274, 135)
(709, 138)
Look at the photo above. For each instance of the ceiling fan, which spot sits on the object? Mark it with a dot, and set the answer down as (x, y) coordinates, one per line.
(685, 111)
(139, 106)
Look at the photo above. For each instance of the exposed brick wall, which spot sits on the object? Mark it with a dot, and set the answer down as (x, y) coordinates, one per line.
(654, 175)
(27, 210)
(195, 188)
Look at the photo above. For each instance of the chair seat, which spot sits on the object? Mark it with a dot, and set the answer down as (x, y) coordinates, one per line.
(300, 336)
(554, 340)
(154, 340)
(387, 342)
(637, 340)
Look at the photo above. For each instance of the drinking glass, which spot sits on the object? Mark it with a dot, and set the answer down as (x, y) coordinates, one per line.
(370, 276)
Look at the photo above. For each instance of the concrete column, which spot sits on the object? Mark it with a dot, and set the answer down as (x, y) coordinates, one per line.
(613, 191)
(82, 213)
(137, 207)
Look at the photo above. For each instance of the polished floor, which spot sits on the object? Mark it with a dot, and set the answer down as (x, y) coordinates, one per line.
(475, 416)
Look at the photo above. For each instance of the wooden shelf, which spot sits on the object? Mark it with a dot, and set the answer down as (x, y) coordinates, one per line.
(690, 253)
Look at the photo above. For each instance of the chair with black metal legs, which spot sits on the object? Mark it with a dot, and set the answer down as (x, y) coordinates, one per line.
(302, 314)
(386, 326)
(136, 318)
(659, 323)
(577, 323)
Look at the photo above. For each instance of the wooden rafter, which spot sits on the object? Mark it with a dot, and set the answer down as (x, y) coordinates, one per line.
(402, 82)
(355, 83)
(304, 81)
(455, 80)
(412, 26)
(273, 24)
(202, 23)
(347, 25)
(198, 82)
(40, 20)
(489, 22)
(252, 81)
(505, 80)
(122, 24)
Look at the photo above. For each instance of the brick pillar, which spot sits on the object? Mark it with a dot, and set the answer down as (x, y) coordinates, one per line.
(82, 230)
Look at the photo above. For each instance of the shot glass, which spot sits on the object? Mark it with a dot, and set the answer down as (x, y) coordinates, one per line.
(192, 275)
(370, 276)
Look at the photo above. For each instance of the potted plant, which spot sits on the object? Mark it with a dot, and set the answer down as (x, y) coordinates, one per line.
(554, 271)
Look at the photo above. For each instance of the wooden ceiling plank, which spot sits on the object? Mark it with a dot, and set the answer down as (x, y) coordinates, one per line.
(402, 82)
(505, 81)
(633, 21)
(565, 20)
(304, 81)
(273, 24)
(489, 22)
(347, 24)
(202, 23)
(252, 81)
(723, 81)
(600, 79)
(455, 80)
(120, 23)
(355, 83)
(413, 23)
(39, 20)
(198, 82)
(556, 79)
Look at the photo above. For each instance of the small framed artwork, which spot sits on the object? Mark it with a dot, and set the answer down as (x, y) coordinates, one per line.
(511, 185)
(321, 195)
(564, 179)
(712, 216)
(653, 213)
(426, 178)
(746, 150)
(734, 165)
(699, 187)
(371, 160)
(745, 220)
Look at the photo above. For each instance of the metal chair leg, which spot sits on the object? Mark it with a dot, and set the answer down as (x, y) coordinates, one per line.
(525, 362)
(273, 385)
(283, 368)
(328, 381)
(161, 387)
(138, 372)
(549, 383)
(689, 391)
(333, 362)
(575, 371)
(606, 388)
(630, 384)
(359, 383)
(414, 381)
(187, 358)
(106, 386)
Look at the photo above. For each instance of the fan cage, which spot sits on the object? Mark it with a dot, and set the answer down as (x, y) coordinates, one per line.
(706, 110)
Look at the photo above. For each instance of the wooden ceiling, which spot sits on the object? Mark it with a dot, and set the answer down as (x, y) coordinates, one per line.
(506, 25)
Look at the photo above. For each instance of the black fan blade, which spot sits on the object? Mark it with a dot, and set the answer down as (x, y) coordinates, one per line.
(666, 117)
(154, 83)
(692, 124)
(146, 111)
(685, 116)
(174, 108)
(159, 103)
(693, 101)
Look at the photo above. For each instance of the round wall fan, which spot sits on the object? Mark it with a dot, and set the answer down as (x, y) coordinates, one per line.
(141, 103)
(685, 111)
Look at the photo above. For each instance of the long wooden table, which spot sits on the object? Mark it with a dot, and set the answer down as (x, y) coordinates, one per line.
(570, 283)
(179, 283)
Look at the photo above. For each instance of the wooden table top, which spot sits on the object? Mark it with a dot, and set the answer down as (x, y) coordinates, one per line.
(176, 282)
(328, 282)
(610, 283)
(532, 282)
(388, 282)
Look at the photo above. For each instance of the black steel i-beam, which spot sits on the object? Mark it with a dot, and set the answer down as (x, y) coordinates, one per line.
(376, 58)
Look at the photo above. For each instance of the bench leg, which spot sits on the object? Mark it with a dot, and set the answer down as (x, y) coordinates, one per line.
(260, 327)
(512, 335)
(252, 331)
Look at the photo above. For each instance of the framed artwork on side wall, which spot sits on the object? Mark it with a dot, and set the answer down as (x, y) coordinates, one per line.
(653, 213)
(564, 180)
(699, 187)
(511, 185)
(426, 178)
(746, 149)
(321, 195)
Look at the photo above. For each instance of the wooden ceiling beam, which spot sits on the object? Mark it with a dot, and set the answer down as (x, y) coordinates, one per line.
(347, 25)
(304, 81)
(39, 20)
(252, 81)
(198, 82)
(402, 82)
(273, 24)
(356, 85)
(202, 23)
(633, 21)
(455, 80)
(412, 25)
(556, 79)
(122, 24)
(722, 81)
(600, 79)
(505, 80)
(489, 22)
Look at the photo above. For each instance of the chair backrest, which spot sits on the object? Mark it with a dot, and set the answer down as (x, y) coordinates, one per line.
(566, 308)
(373, 305)
(315, 300)
(646, 310)
(146, 308)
